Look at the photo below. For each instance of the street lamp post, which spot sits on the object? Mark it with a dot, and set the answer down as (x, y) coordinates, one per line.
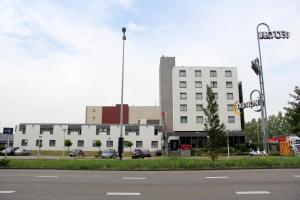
(259, 71)
(227, 144)
(64, 141)
(39, 145)
(121, 139)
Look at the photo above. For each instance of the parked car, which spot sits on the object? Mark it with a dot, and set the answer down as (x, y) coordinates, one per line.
(9, 151)
(76, 153)
(21, 152)
(146, 153)
(137, 153)
(110, 153)
(158, 153)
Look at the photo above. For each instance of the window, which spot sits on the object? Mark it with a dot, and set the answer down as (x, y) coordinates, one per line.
(216, 95)
(231, 119)
(157, 129)
(229, 96)
(52, 143)
(183, 119)
(183, 96)
(199, 120)
(155, 132)
(213, 73)
(22, 128)
(94, 143)
(182, 84)
(79, 132)
(228, 84)
(102, 129)
(229, 107)
(183, 107)
(199, 107)
(139, 144)
(213, 84)
(39, 143)
(197, 73)
(80, 143)
(182, 73)
(228, 73)
(24, 142)
(199, 96)
(132, 129)
(198, 84)
(154, 144)
(109, 143)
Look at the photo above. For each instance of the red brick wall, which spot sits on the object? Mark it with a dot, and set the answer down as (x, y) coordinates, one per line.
(111, 114)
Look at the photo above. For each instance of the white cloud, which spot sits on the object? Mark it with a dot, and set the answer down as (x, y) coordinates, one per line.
(136, 28)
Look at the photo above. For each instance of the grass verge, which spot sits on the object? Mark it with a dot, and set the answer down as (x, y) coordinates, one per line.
(157, 164)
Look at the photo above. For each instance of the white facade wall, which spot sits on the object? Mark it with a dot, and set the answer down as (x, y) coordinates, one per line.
(88, 135)
(191, 100)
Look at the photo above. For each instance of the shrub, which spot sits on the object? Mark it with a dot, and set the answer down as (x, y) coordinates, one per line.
(4, 162)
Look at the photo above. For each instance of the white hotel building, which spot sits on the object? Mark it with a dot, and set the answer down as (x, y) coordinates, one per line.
(183, 97)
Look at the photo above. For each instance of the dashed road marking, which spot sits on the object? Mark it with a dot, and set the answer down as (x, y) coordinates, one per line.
(123, 194)
(216, 177)
(134, 178)
(253, 192)
(6, 191)
(47, 176)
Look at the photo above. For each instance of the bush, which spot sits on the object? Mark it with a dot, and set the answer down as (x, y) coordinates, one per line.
(225, 150)
(4, 162)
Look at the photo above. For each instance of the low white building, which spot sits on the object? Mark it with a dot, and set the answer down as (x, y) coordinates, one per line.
(83, 136)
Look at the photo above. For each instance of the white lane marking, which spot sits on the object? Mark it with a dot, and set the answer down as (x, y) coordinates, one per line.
(47, 176)
(7, 191)
(123, 194)
(134, 178)
(216, 177)
(297, 176)
(253, 192)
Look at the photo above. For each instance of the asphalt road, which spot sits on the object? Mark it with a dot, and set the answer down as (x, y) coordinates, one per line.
(281, 184)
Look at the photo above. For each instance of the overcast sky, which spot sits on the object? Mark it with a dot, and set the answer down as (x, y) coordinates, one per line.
(59, 56)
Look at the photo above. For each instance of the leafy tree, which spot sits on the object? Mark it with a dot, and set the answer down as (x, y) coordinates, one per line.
(278, 125)
(98, 144)
(68, 143)
(214, 129)
(253, 131)
(293, 112)
(128, 144)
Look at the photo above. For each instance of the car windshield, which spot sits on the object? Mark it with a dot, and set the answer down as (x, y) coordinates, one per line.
(105, 151)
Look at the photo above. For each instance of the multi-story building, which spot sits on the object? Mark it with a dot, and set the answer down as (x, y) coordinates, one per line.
(83, 136)
(131, 114)
(183, 98)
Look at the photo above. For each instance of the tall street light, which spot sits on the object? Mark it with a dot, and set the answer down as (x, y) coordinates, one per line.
(257, 67)
(64, 141)
(121, 139)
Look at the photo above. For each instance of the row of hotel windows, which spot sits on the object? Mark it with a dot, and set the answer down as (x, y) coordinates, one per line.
(199, 107)
(200, 119)
(80, 143)
(198, 84)
(199, 95)
(198, 73)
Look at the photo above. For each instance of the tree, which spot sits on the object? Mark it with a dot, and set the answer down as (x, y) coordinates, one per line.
(98, 144)
(68, 143)
(128, 144)
(214, 129)
(293, 112)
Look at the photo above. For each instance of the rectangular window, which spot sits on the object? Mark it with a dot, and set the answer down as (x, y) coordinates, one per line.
(154, 144)
(198, 84)
(229, 84)
(229, 96)
(157, 129)
(80, 143)
(231, 119)
(229, 107)
(213, 84)
(183, 107)
(103, 129)
(197, 73)
(23, 128)
(183, 96)
(199, 107)
(182, 84)
(199, 120)
(24, 142)
(228, 73)
(213, 73)
(79, 132)
(52, 143)
(109, 143)
(182, 73)
(183, 119)
(38, 143)
(139, 144)
(216, 95)
(199, 96)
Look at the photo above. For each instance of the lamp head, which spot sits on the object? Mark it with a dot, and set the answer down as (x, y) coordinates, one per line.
(124, 30)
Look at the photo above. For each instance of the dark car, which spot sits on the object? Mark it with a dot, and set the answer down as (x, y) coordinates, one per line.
(137, 153)
(76, 153)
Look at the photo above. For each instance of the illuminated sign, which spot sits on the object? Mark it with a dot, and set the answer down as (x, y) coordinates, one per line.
(274, 34)
(253, 104)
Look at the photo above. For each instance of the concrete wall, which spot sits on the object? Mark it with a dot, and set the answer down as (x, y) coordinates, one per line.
(93, 115)
(137, 113)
